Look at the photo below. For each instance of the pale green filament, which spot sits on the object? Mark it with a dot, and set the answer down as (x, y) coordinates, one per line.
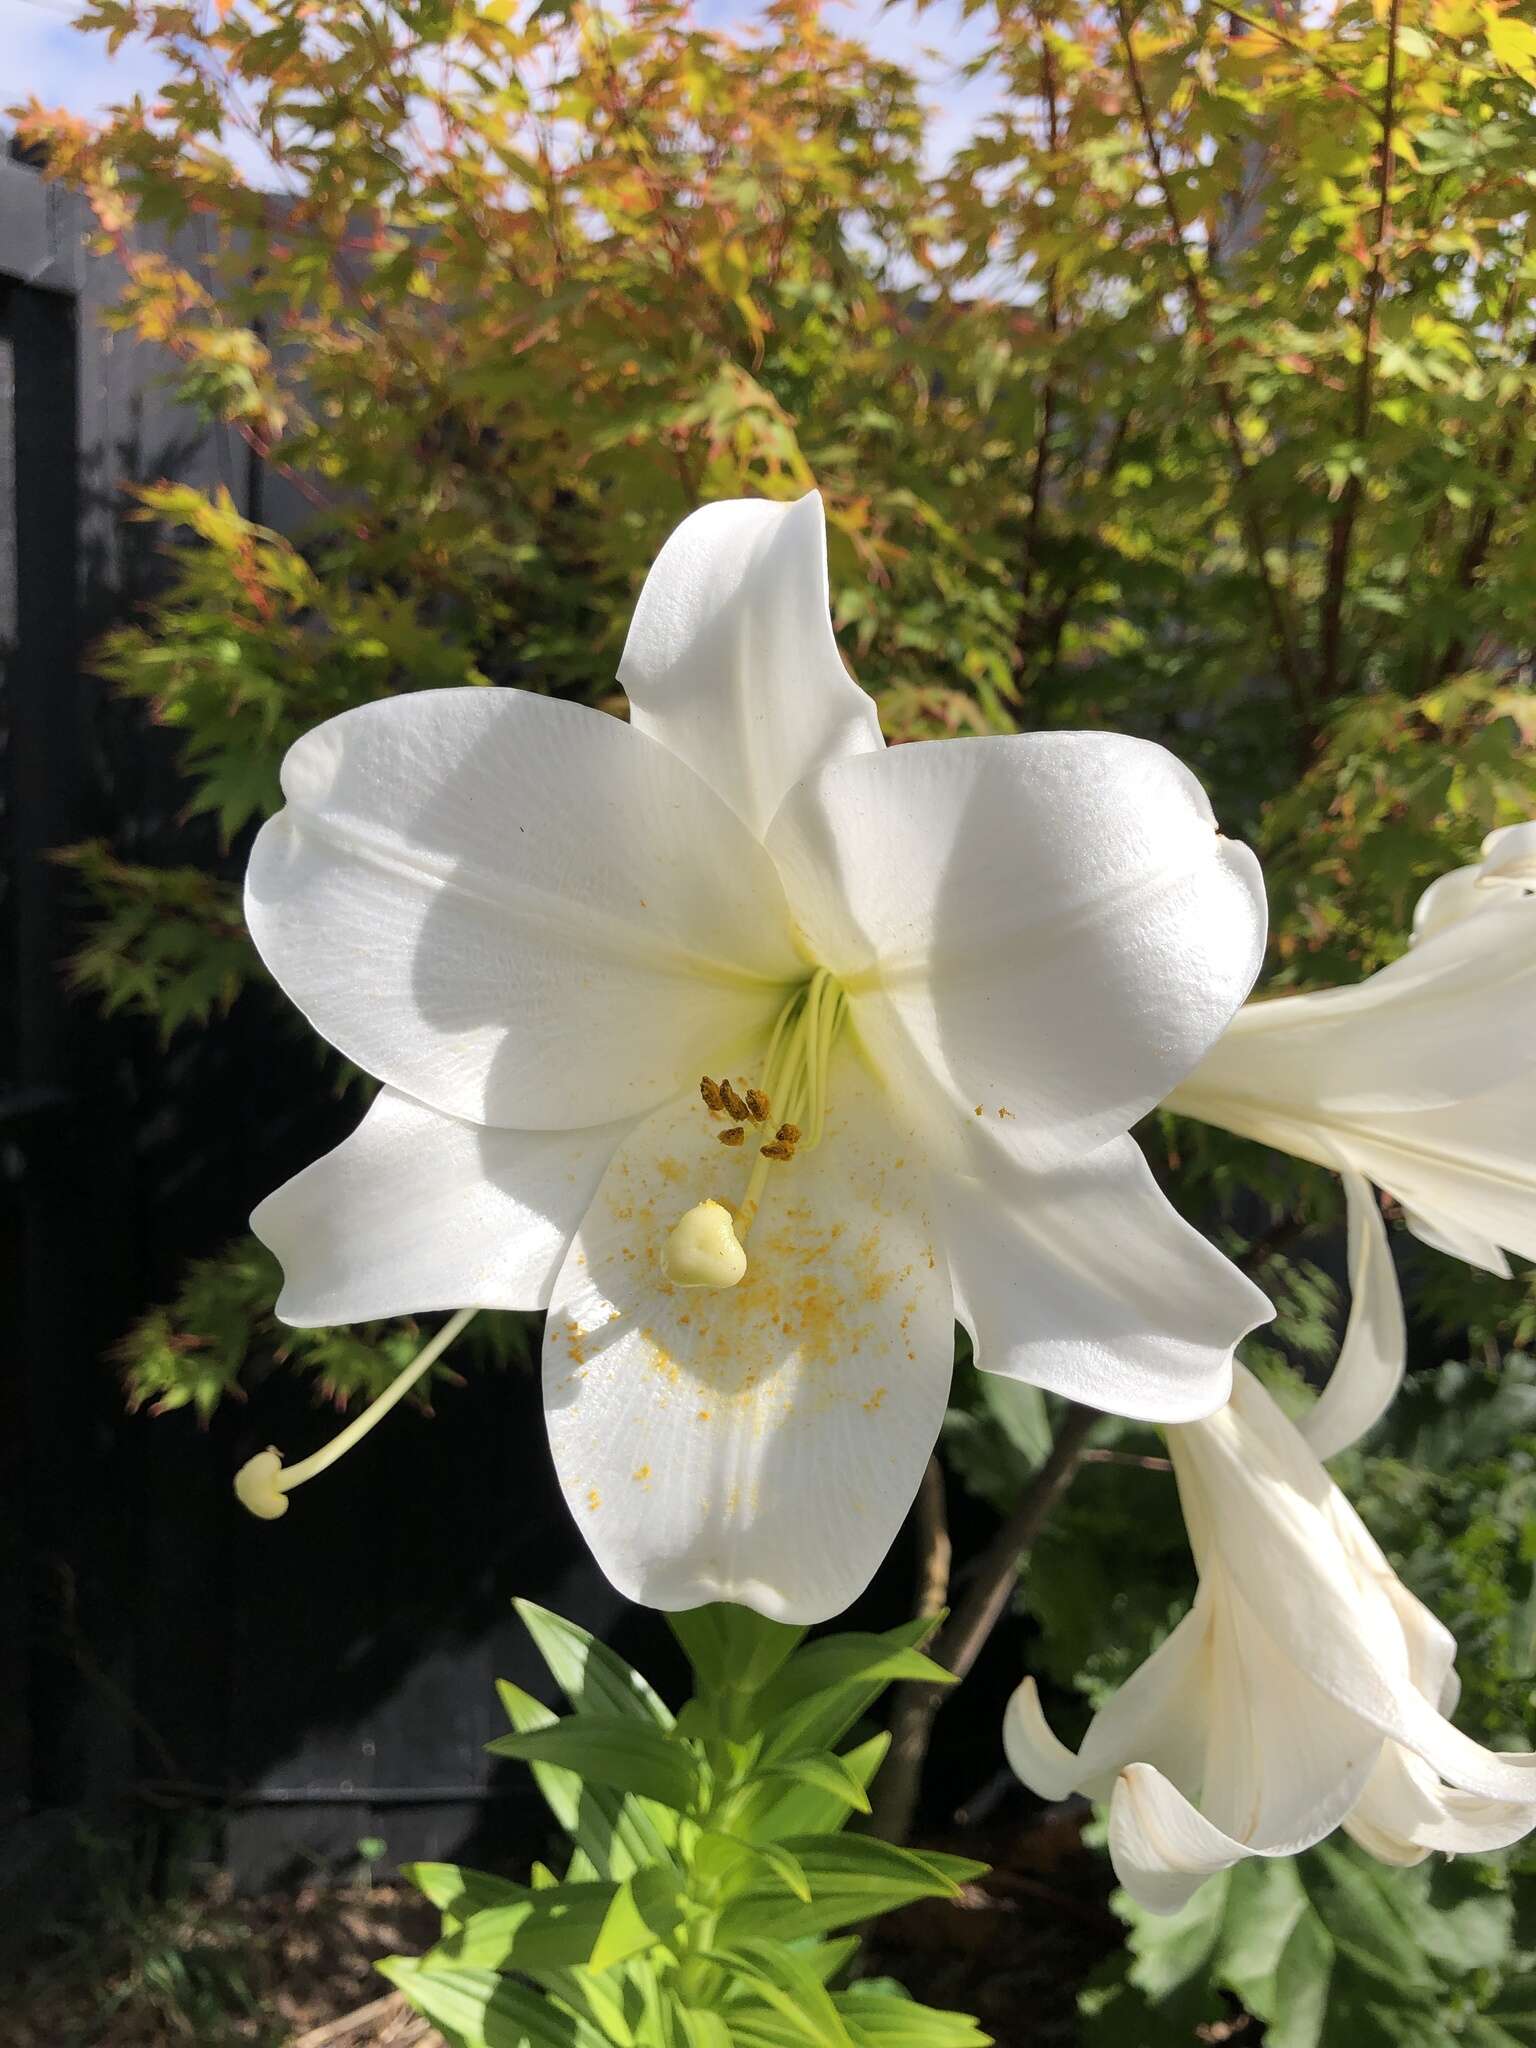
(698, 1252)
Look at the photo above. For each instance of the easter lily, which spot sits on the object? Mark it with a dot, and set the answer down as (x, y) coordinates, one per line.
(1305, 1690)
(754, 1054)
(1420, 1079)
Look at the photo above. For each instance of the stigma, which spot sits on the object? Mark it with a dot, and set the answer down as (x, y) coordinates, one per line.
(704, 1250)
(707, 1246)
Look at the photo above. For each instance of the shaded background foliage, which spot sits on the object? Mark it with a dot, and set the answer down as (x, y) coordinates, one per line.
(1190, 399)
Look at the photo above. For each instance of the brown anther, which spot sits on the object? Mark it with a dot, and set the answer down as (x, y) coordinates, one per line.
(711, 1095)
(734, 1103)
(777, 1150)
(757, 1105)
(734, 1136)
(788, 1134)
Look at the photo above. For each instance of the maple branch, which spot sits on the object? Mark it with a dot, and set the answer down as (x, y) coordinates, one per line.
(1286, 651)
(1341, 537)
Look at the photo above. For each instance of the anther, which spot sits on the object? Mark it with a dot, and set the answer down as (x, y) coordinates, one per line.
(733, 1102)
(735, 1136)
(777, 1149)
(711, 1095)
(788, 1134)
(757, 1105)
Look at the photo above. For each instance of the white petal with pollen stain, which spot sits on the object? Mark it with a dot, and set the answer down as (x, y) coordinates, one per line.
(518, 911)
(418, 1211)
(760, 1443)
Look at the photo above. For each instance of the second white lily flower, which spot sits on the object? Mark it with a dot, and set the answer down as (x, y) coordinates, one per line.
(1420, 1079)
(1306, 1689)
(926, 991)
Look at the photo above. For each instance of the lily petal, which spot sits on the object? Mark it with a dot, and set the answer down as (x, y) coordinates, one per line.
(1410, 1037)
(760, 1443)
(1045, 929)
(1035, 1754)
(1085, 1280)
(1444, 1233)
(1161, 1845)
(515, 910)
(1405, 1812)
(731, 660)
(1374, 1354)
(1473, 1162)
(419, 1211)
(1279, 1515)
(1284, 1762)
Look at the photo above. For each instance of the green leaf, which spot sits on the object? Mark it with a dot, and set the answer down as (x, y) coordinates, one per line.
(1021, 1413)
(732, 1648)
(836, 1661)
(826, 1772)
(768, 1812)
(593, 1925)
(880, 2018)
(1302, 1981)
(617, 1834)
(593, 1679)
(851, 1878)
(481, 2010)
(789, 1985)
(608, 1750)
(457, 1892)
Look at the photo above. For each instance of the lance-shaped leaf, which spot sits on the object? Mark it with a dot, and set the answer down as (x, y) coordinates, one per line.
(615, 1833)
(591, 1925)
(591, 1676)
(482, 2010)
(610, 1750)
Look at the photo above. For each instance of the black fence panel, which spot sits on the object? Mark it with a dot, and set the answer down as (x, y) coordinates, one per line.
(313, 1682)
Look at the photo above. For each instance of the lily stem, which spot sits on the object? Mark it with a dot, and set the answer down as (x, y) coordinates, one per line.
(398, 1388)
(960, 1643)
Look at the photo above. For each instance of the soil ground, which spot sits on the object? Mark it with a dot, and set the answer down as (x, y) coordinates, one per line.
(295, 1969)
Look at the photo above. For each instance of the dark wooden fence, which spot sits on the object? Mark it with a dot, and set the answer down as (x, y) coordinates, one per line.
(312, 1682)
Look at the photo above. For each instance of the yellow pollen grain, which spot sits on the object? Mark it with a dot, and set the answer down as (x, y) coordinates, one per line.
(672, 1170)
(1002, 1112)
(703, 1415)
(874, 1401)
(594, 1500)
(641, 1472)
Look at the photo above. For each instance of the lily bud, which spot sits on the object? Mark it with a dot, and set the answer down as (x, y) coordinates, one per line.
(256, 1484)
(703, 1249)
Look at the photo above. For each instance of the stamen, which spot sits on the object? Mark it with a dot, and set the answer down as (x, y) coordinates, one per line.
(263, 1483)
(794, 1076)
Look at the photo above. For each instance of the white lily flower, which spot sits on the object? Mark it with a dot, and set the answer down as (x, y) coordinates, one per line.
(1420, 1079)
(929, 990)
(1305, 1689)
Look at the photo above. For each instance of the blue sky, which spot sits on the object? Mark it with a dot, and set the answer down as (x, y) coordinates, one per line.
(41, 53)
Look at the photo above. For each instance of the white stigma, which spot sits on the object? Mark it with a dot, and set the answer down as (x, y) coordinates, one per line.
(703, 1249)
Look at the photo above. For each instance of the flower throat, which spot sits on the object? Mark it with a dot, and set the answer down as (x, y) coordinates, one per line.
(707, 1247)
